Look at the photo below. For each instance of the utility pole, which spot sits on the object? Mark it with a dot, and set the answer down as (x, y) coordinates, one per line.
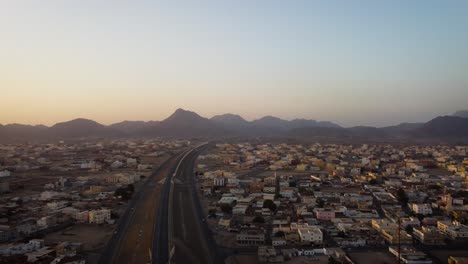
(399, 242)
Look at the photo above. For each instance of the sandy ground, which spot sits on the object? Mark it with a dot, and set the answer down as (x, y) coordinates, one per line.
(372, 257)
(443, 255)
(94, 237)
(240, 259)
(306, 260)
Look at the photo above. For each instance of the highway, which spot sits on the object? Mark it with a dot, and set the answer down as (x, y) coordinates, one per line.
(189, 232)
(165, 215)
(132, 242)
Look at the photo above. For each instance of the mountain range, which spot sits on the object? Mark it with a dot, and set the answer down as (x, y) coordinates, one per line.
(187, 124)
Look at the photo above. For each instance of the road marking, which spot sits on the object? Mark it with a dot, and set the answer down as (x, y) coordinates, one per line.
(184, 231)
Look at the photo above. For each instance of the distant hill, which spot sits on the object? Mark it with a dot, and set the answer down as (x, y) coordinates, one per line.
(230, 120)
(81, 127)
(271, 122)
(401, 129)
(183, 123)
(188, 124)
(265, 126)
(296, 123)
(452, 127)
(324, 132)
(130, 127)
(462, 113)
(19, 132)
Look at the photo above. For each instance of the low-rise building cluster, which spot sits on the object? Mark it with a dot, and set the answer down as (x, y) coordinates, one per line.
(315, 196)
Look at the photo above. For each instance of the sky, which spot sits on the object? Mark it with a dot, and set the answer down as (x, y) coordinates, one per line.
(351, 62)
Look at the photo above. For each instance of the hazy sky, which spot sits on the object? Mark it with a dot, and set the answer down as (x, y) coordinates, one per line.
(352, 62)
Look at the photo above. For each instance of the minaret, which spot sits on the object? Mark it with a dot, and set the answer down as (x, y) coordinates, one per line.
(449, 201)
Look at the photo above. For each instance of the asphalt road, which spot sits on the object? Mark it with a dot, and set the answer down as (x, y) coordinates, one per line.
(191, 236)
(132, 242)
(166, 214)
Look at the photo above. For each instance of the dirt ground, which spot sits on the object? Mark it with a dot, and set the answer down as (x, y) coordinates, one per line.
(93, 237)
(443, 255)
(305, 260)
(242, 259)
(372, 257)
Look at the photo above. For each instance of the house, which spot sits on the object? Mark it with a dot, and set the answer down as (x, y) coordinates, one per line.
(99, 216)
(47, 221)
(278, 241)
(310, 234)
(250, 237)
(428, 235)
(269, 254)
(457, 260)
(219, 181)
(225, 223)
(410, 255)
(454, 230)
(424, 209)
(81, 217)
(21, 248)
(324, 215)
(239, 209)
(229, 200)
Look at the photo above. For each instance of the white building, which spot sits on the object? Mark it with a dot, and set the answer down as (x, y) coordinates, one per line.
(424, 209)
(219, 181)
(22, 248)
(454, 230)
(5, 173)
(99, 216)
(310, 234)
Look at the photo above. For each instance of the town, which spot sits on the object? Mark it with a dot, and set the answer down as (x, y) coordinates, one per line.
(268, 202)
(59, 203)
(355, 204)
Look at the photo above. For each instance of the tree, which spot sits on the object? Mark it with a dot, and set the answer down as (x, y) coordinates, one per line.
(270, 205)
(279, 234)
(259, 220)
(320, 203)
(401, 196)
(125, 193)
(420, 217)
(226, 208)
(212, 213)
(409, 229)
(332, 260)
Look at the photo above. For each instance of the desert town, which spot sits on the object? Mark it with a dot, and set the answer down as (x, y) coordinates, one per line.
(59, 203)
(268, 202)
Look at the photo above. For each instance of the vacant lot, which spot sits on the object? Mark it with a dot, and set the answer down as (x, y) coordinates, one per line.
(372, 257)
(92, 236)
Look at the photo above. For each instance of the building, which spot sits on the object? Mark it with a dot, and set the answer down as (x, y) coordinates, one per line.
(428, 235)
(4, 181)
(251, 237)
(46, 221)
(410, 255)
(82, 217)
(99, 216)
(383, 224)
(21, 248)
(310, 235)
(324, 215)
(457, 260)
(424, 209)
(454, 230)
(268, 254)
(219, 181)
